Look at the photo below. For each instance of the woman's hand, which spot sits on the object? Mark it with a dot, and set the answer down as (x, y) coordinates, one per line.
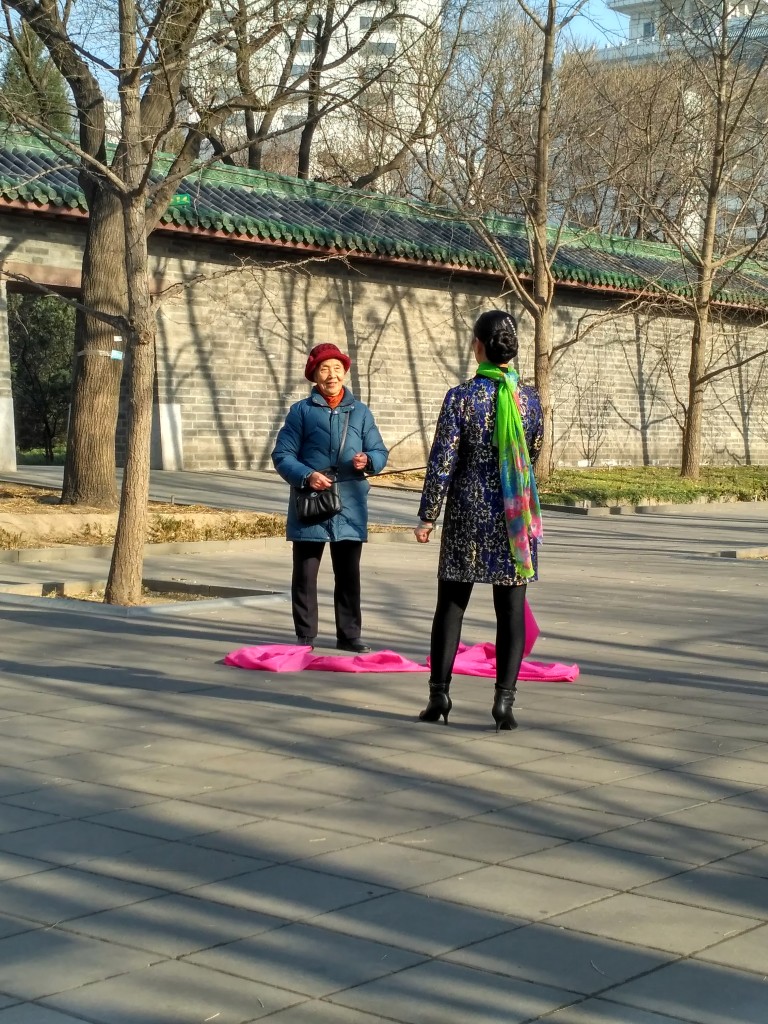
(319, 481)
(360, 461)
(422, 532)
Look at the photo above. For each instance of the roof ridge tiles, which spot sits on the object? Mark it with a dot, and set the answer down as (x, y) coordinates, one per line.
(242, 202)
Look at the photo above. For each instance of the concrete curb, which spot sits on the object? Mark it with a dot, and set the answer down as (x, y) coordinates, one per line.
(606, 510)
(178, 609)
(69, 552)
(744, 553)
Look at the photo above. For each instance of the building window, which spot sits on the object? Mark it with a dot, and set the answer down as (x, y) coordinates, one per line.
(365, 23)
(293, 120)
(379, 48)
(307, 46)
(297, 70)
(648, 30)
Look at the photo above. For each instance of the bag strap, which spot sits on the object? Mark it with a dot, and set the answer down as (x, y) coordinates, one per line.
(343, 439)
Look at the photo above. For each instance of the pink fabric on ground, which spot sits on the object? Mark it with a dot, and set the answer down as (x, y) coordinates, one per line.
(376, 661)
(272, 658)
(477, 660)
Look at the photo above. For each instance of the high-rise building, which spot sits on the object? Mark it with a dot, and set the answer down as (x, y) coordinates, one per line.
(358, 71)
(657, 28)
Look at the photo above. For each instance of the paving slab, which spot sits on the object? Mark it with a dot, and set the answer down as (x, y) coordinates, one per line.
(520, 893)
(12, 866)
(279, 841)
(34, 1013)
(600, 1011)
(390, 865)
(720, 817)
(714, 889)
(70, 961)
(171, 865)
(173, 819)
(624, 799)
(583, 862)
(653, 923)
(445, 993)
(287, 891)
(164, 993)
(419, 923)
(313, 1011)
(557, 820)
(747, 952)
(69, 841)
(751, 862)
(698, 846)
(306, 959)
(173, 925)
(81, 800)
(555, 956)
(695, 991)
(49, 897)
(475, 840)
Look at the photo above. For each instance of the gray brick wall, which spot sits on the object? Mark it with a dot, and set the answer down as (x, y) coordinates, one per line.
(231, 354)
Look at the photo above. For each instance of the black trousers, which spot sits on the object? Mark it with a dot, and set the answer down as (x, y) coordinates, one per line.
(345, 558)
(452, 601)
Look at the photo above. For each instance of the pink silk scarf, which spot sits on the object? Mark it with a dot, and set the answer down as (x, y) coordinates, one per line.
(477, 660)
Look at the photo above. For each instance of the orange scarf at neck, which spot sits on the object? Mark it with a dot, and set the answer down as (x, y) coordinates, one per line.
(336, 400)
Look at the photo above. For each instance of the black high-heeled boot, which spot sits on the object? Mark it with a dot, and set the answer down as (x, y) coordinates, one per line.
(502, 709)
(439, 704)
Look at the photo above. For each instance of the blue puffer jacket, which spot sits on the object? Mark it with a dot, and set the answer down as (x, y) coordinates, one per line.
(309, 440)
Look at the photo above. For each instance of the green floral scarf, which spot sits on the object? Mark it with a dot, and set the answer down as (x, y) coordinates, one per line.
(521, 498)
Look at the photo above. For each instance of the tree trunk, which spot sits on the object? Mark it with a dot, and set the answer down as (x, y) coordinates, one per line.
(89, 468)
(542, 336)
(691, 457)
(124, 583)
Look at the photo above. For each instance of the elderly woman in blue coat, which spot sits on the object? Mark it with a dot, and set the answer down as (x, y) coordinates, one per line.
(330, 428)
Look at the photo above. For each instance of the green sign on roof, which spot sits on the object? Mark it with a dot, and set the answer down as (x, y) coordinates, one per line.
(182, 199)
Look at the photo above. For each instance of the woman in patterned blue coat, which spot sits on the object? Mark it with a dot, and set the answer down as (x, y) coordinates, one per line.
(488, 436)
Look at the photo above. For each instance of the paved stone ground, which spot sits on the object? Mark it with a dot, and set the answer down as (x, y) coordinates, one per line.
(183, 842)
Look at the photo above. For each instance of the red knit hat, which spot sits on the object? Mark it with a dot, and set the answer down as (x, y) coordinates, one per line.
(320, 353)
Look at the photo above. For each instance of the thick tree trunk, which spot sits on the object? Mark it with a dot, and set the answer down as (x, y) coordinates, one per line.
(89, 469)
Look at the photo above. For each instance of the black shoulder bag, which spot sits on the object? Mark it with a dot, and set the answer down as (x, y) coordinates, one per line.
(317, 506)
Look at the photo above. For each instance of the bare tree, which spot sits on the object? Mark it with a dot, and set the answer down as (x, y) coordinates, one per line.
(317, 71)
(186, 108)
(506, 130)
(695, 176)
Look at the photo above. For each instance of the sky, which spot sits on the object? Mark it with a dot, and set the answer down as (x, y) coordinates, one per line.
(599, 25)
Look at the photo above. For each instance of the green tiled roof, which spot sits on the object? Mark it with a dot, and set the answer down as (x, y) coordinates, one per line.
(270, 208)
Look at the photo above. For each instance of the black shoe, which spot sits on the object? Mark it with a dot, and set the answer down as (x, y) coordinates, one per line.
(306, 641)
(502, 709)
(356, 646)
(439, 704)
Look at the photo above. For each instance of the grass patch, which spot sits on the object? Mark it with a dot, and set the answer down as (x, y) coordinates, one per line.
(36, 457)
(655, 484)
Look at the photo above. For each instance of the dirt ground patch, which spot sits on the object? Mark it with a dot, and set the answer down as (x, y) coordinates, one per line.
(18, 499)
(30, 517)
(148, 596)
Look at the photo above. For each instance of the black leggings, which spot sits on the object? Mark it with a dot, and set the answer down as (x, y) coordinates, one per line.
(452, 601)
